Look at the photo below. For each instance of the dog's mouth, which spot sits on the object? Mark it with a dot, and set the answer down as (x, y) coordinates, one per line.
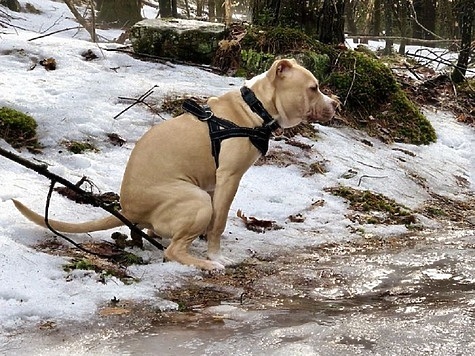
(326, 112)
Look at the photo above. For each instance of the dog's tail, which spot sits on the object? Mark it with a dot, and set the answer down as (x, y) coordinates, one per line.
(106, 223)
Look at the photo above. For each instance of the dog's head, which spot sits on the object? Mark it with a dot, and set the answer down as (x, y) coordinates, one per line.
(295, 94)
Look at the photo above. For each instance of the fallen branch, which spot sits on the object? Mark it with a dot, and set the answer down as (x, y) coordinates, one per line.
(54, 32)
(367, 176)
(42, 169)
(438, 59)
(166, 60)
(139, 100)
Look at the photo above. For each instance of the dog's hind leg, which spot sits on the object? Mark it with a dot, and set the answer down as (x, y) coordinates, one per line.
(184, 218)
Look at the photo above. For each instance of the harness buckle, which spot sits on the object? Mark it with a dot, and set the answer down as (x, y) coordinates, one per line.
(209, 114)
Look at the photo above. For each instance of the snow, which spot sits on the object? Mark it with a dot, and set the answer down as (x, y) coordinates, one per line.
(79, 100)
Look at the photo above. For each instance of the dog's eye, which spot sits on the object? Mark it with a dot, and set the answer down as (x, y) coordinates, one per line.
(314, 88)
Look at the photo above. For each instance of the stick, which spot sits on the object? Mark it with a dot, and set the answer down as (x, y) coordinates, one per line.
(42, 169)
(367, 176)
(139, 100)
(54, 32)
(352, 82)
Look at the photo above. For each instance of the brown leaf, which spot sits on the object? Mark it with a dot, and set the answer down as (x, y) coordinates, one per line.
(48, 63)
(255, 224)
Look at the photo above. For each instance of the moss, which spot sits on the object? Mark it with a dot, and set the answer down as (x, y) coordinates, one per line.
(467, 88)
(195, 45)
(18, 129)
(82, 264)
(361, 80)
(367, 202)
(277, 40)
(254, 62)
(407, 122)
(375, 102)
(78, 147)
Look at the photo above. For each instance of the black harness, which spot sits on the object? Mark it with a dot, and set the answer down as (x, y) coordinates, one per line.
(221, 129)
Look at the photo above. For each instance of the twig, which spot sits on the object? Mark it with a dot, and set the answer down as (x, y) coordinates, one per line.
(352, 82)
(414, 73)
(367, 176)
(54, 32)
(369, 165)
(139, 100)
(438, 60)
(161, 60)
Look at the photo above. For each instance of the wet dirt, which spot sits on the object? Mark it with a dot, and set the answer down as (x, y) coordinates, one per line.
(411, 294)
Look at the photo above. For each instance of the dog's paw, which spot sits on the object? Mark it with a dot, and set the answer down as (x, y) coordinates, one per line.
(220, 259)
(213, 266)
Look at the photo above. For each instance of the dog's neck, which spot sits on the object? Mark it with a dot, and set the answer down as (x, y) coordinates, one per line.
(256, 106)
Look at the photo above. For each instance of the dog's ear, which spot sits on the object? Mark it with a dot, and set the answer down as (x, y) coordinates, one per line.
(280, 68)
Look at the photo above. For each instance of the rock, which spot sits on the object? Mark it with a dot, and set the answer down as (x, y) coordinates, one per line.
(13, 5)
(187, 40)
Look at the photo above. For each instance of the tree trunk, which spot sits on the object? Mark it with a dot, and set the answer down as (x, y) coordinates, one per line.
(165, 7)
(228, 18)
(120, 13)
(331, 29)
(376, 23)
(174, 9)
(388, 16)
(350, 18)
(466, 10)
(220, 10)
(211, 10)
(424, 19)
(403, 18)
(199, 8)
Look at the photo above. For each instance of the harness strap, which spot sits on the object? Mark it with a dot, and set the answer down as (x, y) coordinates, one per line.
(221, 129)
(257, 107)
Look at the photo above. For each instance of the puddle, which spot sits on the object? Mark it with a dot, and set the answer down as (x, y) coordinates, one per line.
(407, 295)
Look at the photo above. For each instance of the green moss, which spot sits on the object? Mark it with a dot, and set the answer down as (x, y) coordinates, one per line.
(363, 82)
(367, 202)
(407, 122)
(18, 129)
(197, 46)
(82, 264)
(277, 40)
(78, 147)
(375, 102)
(254, 62)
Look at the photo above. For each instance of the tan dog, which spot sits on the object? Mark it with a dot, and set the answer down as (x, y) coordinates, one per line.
(172, 185)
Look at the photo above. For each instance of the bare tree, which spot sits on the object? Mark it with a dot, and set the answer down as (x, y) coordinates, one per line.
(388, 17)
(168, 8)
(119, 13)
(466, 12)
(331, 29)
(89, 26)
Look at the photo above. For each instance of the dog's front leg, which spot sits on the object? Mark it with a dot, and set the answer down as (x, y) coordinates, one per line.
(225, 190)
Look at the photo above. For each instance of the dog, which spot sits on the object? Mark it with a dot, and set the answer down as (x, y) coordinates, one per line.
(180, 186)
